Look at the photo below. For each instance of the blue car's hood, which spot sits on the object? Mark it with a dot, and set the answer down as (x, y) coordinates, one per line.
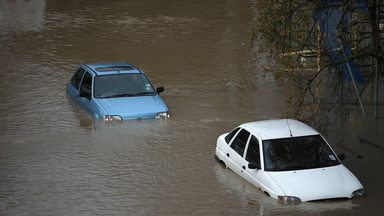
(143, 107)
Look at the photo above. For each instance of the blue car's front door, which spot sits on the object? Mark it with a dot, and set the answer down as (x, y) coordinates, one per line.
(85, 98)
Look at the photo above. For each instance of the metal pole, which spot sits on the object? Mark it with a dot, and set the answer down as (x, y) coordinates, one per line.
(353, 79)
(377, 91)
(377, 65)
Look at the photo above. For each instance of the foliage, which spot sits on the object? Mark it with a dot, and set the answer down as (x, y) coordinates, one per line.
(288, 31)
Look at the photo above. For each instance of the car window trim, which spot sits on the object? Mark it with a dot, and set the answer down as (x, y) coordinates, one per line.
(81, 79)
(246, 142)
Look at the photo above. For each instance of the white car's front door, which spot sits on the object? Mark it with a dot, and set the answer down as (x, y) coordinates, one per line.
(253, 171)
(234, 154)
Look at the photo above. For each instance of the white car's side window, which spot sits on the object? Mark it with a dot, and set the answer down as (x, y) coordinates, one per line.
(238, 144)
(229, 137)
(253, 152)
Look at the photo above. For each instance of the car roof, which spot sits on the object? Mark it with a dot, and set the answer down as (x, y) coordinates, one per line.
(112, 68)
(279, 128)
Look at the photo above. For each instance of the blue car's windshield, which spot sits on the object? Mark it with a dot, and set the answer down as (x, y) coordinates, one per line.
(122, 85)
(297, 153)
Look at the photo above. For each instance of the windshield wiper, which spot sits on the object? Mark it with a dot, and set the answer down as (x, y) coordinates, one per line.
(327, 163)
(119, 95)
(129, 95)
(143, 93)
(298, 167)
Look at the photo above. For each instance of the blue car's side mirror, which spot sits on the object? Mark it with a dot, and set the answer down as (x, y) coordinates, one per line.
(85, 93)
(159, 90)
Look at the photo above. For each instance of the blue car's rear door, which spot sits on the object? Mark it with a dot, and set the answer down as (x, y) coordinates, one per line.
(74, 84)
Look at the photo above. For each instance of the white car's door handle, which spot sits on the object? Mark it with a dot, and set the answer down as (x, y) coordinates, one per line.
(227, 154)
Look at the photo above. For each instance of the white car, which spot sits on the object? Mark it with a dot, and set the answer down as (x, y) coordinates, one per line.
(287, 160)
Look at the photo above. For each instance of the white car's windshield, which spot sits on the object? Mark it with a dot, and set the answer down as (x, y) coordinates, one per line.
(297, 153)
(122, 85)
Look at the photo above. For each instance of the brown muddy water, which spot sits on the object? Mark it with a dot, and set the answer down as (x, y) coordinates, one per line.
(56, 159)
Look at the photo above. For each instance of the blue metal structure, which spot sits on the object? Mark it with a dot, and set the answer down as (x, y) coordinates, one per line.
(328, 19)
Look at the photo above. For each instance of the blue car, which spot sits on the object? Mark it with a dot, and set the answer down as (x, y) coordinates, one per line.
(116, 91)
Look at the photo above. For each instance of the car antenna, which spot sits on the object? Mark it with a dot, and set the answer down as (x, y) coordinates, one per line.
(289, 128)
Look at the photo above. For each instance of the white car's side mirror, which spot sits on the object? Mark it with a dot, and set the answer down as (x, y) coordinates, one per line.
(254, 165)
(341, 156)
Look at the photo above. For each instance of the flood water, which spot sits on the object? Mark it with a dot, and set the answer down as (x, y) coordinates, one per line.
(56, 159)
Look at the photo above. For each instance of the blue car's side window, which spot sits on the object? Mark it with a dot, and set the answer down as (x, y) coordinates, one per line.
(75, 81)
(86, 86)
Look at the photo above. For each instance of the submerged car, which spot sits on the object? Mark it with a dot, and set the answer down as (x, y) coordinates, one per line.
(287, 160)
(116, 91)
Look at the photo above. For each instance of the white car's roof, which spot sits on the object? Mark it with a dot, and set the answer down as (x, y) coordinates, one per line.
(279, 128)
